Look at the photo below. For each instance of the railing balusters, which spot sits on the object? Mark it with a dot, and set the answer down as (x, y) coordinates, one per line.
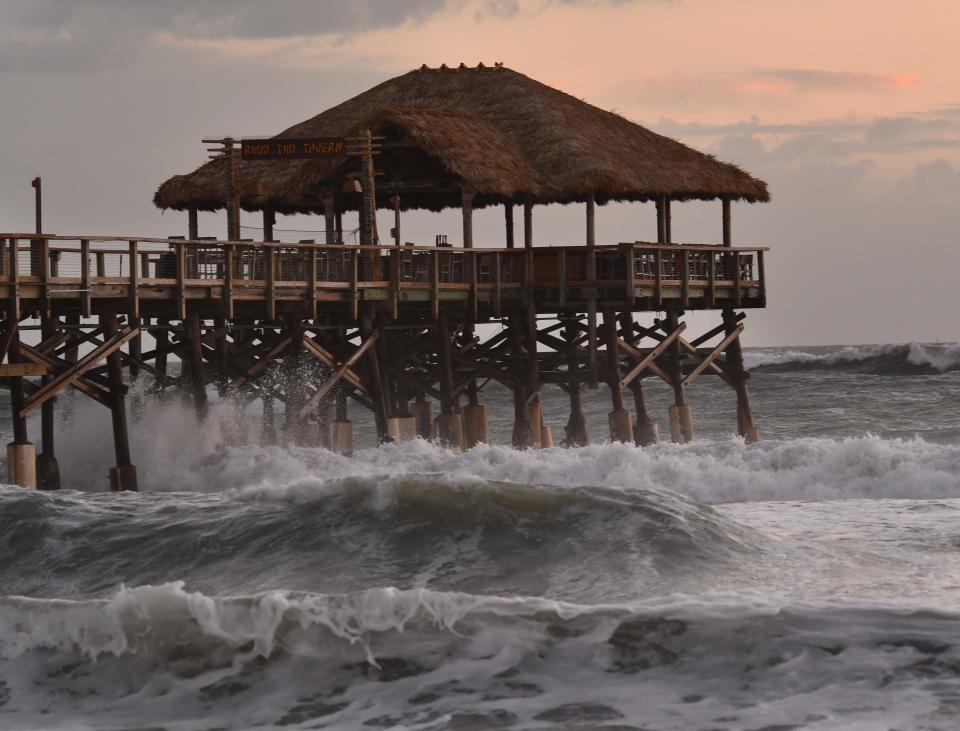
(134, 281)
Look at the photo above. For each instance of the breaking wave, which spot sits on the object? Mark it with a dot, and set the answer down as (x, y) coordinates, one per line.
(386, 658)
(894, 360)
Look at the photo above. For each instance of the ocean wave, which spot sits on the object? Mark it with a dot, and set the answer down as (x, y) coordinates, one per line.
(908, 359)
(391, 658)
(457, 531)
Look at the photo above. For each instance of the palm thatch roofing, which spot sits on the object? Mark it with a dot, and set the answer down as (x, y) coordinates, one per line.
(492, 130)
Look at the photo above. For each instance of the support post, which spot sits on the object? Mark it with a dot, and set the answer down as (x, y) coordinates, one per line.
(374, 378)
(645, 432)
(508, 223)
(450, 424)
(193, 229)
(591, 293)
(195, 354)
(522, 429)
(681, 419)
(527, 225)
(329, 218)
(576, 430)
(21, 453)
(269, 221)
(48, 470)
(124, 475)
(621, 429)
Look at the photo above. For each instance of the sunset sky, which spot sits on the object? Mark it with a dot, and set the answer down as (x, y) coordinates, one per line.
(850, 109)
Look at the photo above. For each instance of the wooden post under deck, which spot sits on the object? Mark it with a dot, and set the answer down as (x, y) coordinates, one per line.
(593, 366)
(195, 358)
(508, 223)
(124, 475)
(644, 430)
(21, 459)
(576, 430)
(48, 470)
(621, 429)
(734, 352)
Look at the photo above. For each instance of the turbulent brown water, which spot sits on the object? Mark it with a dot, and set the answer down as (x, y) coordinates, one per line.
(807, 582)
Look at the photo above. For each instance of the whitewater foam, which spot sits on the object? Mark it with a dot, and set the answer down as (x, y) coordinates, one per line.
(891, 359)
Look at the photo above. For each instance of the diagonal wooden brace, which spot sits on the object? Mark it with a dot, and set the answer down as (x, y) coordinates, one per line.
(646, 361)
(81, 384)
(326, 357)
(267, 358)
(73, 373)
(711, 356)
(335, 378)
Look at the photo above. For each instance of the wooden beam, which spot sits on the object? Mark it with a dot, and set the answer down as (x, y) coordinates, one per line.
(266, 359)
(338, 374)
(22, 369)
(711, 356)
(328, 359)
(67, 377)
(647, 360)
(83, 385)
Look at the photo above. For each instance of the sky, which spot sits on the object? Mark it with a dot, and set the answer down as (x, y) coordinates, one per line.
(849, 109)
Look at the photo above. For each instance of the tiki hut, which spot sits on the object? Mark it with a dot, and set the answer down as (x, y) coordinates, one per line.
(475, 136)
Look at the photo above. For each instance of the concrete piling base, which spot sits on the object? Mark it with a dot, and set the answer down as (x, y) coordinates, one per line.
(646, 433)
(450, 430)
(423, 415)
(123, 478)
(48, 472)
(402, 428)
(621, 426)
(681, 424)
(22, 465)
(342, 437)
(475, 425)
(546, 437)
(535, 419)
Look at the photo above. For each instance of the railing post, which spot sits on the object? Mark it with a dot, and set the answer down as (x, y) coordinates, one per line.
(562, 277)
(181, 254)
(736, 281)
(269, 263)
(497, 307)
(435, 282)
(658, 277)
(354, 303)
(101, 264)
(313, 282)
(134, 281)
(394, 258)
(228, 267)
(86, 296)
(471, 261)
(44, 247)
(685, 277)
(14, 315)
(712, 278)
(763, 279)
(630, 273)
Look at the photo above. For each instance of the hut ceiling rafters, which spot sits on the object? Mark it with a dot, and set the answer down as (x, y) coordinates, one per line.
(490, 129)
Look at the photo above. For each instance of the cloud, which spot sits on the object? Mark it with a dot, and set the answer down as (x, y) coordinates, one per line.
(66, 35)
(819, 80)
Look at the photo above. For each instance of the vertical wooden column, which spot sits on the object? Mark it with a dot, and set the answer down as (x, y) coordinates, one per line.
(681, 420)
(223, 356)
(591, 293)
(329, 218)
(193, 228)
(197, 371)
(475, 414)
(374, 377)
(395, 200)
(734, 353)
(667, 221)
(269, 221)
(450, 423)
(621, 428)
(645, 432)
(48, 470)
(162, 337)
(293, 382)
(21, 453)
(338, 237)
(124, 475)
(661, 221)
(508, 223)
(522, 428)
(527, 224)
(576, 431)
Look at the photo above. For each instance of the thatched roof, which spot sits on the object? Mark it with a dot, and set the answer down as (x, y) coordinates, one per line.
(496, 131)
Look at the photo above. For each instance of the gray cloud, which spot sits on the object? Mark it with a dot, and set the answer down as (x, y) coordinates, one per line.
(66, 35)
(821, 80)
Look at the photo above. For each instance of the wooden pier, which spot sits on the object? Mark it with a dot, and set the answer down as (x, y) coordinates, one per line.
(394, 328)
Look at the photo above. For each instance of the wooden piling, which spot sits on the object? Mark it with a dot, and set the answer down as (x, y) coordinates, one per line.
(576, 429)
(195, 358)
(645, 431)
(48, 470)
(21, 454)
(621, 429)
(123, 477)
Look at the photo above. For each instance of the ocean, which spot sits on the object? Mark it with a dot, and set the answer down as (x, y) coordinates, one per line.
(811, 581)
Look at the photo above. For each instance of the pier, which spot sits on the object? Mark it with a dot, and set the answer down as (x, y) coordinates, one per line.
(399, 330)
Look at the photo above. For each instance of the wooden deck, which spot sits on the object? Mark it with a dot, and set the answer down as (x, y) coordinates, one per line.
(145, 277)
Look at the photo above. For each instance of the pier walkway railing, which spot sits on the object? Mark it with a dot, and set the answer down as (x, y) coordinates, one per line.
(157, 271)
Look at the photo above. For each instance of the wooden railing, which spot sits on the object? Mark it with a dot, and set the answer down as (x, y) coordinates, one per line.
(64, 266)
